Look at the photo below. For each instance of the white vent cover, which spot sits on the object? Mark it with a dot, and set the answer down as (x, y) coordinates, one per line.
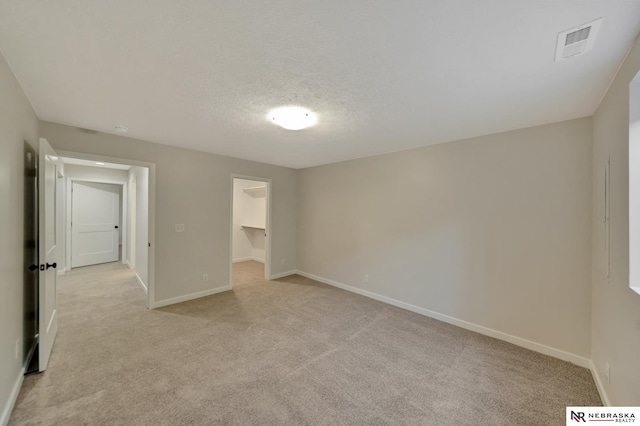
(577, 41)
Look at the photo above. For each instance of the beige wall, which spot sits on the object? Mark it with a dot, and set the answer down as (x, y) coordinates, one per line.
(18, 123)
(495, 230)
(616, 308)
(192, 188)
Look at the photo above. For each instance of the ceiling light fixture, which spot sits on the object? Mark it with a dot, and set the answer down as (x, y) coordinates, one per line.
(122, 129)
(99, 163)
(292, 118)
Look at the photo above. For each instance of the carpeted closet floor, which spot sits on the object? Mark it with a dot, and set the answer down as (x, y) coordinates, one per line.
(291, 351)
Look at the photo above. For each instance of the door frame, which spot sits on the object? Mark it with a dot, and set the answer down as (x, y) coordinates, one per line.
(267, 243)
(151, 253)
(69, 215)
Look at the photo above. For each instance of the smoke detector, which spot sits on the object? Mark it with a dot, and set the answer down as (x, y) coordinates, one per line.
(577, 41)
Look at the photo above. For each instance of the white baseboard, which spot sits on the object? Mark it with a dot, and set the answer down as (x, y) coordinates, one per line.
(188, 297)
(528, 344)
(13, 397)
(61, 271)
(246, 259)
(283, 274)
(600, 385)
(142, 284)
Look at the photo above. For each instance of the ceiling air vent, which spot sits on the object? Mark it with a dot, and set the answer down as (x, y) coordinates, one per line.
(577, 41)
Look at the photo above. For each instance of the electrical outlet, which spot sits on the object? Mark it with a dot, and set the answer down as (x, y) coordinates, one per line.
(283, 262)
(205, 277)
(607, 372)
(179, 227)
(17, 349)
(366, 278)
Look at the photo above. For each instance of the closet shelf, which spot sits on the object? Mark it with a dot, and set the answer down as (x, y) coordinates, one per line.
(262, 228)
(254, 189)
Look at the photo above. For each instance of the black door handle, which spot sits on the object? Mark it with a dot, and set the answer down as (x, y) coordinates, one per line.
(53, 265)
(116, 226)
(33, 267)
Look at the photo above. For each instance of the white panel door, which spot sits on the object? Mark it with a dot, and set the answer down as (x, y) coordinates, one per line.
(95, 215)
(48, 322)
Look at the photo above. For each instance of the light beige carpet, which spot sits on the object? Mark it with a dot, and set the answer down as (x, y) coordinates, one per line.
(291, 351)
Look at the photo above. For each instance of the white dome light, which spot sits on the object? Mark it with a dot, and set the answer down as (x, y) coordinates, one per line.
(292, 118)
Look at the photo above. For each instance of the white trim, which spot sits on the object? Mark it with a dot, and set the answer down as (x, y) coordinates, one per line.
(599, 384)
(246, 259)
(518, 341)
(13, 397)
(61, 271)
(188, 297)
(283, 274)
(144, 287)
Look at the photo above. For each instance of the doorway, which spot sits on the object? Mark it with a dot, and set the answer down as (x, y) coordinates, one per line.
(106, 218)
(52, 198)
(250, 225)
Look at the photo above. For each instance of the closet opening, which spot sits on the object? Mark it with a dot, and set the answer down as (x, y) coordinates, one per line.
(250, 230)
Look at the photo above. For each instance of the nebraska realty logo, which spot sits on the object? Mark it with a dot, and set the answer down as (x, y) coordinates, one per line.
(578, 415)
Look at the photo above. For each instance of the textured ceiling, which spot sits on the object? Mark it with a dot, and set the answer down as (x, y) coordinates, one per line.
(381, 75)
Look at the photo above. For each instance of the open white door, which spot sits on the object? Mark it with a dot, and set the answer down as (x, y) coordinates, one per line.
(95, 220)
(47, 174)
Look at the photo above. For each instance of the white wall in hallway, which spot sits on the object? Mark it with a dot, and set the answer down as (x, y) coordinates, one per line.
(131, 221)
(94, 174)
(61, 208)
(141, 222)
